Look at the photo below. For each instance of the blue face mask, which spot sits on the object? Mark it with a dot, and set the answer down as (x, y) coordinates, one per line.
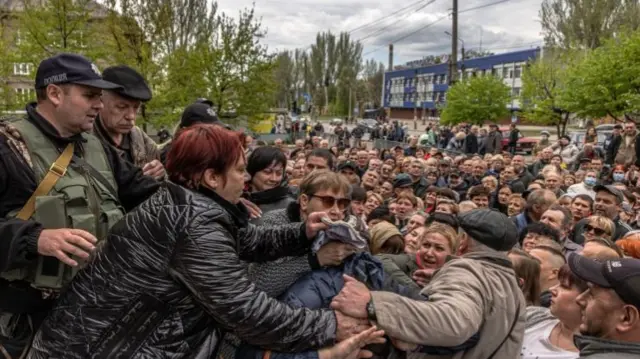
(590, 181)
(618, 177)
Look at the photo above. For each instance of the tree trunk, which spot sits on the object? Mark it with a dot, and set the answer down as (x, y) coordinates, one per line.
(326, 99)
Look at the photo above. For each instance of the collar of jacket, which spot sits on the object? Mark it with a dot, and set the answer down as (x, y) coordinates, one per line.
(497, 258)
(51, 132)
(237, 212)
(293, 212)
(269, 196)
(100, 131)
(592, 345)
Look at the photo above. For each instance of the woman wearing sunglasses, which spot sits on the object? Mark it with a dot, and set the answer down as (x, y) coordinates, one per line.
(598, 227)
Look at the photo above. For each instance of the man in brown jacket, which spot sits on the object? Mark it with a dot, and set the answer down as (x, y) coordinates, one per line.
(475, 293)
(116, 124)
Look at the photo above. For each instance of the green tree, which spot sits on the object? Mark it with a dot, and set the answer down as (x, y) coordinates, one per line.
(229, 66)
(476, 100)
(543, 85)
(586, 23)
(7, 39)
(49, 27)
(607, 80)
(371, 89)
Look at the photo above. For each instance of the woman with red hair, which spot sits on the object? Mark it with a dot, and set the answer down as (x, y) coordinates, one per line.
(170, 277)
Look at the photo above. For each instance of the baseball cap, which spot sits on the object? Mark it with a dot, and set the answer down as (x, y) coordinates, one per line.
(620, 275)
(402, 180)
(199, 113)
(70, 69)
(133, 85)
(611, 189)
(490, 227)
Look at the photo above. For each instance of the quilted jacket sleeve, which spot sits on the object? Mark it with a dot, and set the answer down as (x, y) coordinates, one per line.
(263, 244)
(207, 263)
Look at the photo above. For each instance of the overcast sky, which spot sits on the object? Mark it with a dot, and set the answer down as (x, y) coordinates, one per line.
(503, 27)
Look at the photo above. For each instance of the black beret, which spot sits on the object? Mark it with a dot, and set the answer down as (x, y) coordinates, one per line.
(490, 227)
(133, 85)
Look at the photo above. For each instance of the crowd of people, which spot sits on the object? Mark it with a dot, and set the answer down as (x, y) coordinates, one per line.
(212, 246)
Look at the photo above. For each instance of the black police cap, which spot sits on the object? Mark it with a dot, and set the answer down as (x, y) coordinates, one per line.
(68, 68)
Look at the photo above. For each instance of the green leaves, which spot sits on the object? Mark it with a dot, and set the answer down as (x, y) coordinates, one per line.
(607, 80)
(476, 100)
(543, 87)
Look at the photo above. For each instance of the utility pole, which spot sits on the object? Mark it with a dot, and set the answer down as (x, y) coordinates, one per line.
(453, 70)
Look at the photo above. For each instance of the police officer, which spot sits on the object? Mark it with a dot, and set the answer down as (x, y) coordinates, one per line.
(61, 190)
(116, 124)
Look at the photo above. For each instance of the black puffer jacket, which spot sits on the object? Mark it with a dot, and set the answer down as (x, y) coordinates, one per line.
(169, 280)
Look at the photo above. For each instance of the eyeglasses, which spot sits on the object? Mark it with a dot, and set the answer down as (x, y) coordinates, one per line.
(328, 201)
(597, 231)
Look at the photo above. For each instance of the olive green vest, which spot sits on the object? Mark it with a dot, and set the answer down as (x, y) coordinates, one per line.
(77, 201)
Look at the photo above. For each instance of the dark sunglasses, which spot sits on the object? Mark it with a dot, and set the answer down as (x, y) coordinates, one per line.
(328, 201)
(597, 231)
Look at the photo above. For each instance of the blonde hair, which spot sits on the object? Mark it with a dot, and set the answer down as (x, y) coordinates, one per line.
(376, 196)
(603, 223)
(444, 230)
(491, 179)
(319, 180)
(466, 206)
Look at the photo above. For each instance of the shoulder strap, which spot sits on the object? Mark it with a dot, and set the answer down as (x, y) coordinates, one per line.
(81, 165)
(57, 170)
(513, 325)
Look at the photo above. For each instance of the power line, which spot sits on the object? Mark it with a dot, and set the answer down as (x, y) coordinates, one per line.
(386, 16)
(386, 27)
(433, 23)
(483, 6)
(409, 34)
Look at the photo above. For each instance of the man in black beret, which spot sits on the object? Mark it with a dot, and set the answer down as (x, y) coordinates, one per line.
(116, 124)
(477, 292)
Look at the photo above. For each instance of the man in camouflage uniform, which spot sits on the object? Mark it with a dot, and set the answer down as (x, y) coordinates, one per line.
(61, 190)
(116, 124)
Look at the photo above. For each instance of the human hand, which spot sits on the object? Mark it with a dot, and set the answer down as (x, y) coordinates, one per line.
(314, 223)
(349, 326)
(254, 210)
(333, 253)
(422, 276)
(65, 242)
(351, 348)
(154, 169)
(352, 299)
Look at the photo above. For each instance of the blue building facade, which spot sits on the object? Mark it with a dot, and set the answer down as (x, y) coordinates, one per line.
(424, 88)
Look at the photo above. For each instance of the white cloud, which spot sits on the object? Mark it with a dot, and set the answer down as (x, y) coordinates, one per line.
(292, 24)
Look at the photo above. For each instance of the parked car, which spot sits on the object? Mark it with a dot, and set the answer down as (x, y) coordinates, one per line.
(577, 138)
(336, 121)
(368, 124)
(525, 144)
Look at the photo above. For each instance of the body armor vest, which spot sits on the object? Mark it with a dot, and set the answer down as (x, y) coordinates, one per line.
(77, 201)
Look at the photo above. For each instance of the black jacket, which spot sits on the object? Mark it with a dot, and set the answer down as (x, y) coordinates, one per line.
(170, 279)
(271, 200)
(17, 182)
(612, 149)
(471, 144)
